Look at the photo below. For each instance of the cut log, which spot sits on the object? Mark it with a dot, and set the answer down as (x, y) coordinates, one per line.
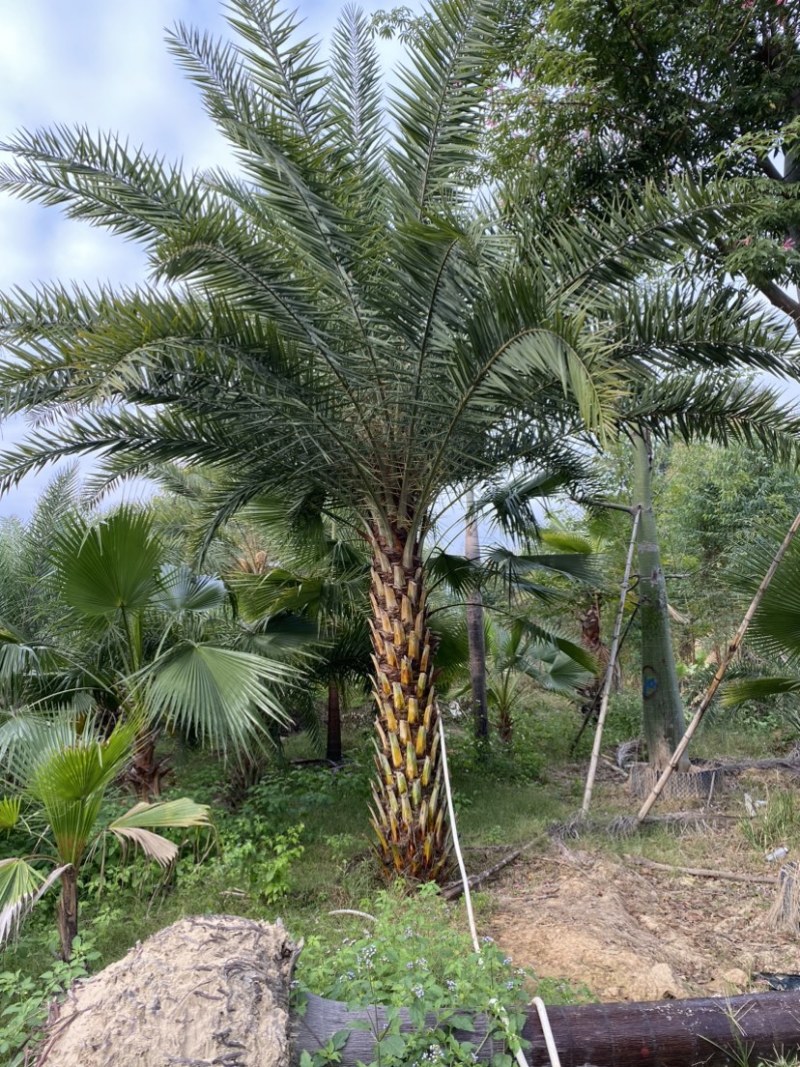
(671, 1033)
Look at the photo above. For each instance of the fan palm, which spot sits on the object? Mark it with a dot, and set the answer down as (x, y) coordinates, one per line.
(516, 659)
(144, 639)
(775, 629)
(58, 779)
(344, 323)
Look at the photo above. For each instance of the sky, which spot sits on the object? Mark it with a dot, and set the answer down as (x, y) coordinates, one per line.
(104, 64)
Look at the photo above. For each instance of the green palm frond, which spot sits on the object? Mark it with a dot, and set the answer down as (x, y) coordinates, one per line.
(744, 689)
(439, 102)
(723, 407)
(62, 774)
(21, 887)
(181, 590)
(137, 826)
(10, 809)
(110, 566)
(220, 694)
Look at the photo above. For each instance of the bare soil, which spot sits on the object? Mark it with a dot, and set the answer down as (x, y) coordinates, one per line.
(584, 912)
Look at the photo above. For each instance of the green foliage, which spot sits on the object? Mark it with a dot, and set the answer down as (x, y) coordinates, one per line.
(253, 860)
(776, 824)
(25, 1000)
(414, 957)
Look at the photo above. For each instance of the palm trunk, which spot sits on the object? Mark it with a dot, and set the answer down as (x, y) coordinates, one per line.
(408, 813)
(68, 911)
(333, 748)
(662, 708)
(476, 636)
(146, 772)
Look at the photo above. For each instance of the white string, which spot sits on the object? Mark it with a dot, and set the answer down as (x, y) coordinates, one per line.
(547, 1030)
(454, 831)
(502, 1015)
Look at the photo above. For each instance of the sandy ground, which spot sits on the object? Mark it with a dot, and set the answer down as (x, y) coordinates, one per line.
(578, 911)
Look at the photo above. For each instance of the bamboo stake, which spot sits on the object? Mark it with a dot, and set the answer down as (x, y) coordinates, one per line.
(612, 659)
(710, 693)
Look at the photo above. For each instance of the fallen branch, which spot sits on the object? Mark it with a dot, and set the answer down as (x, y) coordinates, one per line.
(702, 872)
(775, 764)
(455, 889)
(624, 826)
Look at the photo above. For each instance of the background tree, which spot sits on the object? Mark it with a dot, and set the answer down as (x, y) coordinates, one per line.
(607, 97)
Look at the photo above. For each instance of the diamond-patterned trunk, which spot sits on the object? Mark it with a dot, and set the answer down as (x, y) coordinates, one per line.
(409, 809)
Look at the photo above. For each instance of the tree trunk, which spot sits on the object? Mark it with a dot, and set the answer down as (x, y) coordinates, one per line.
(68, 911)
(333, 748)
(505, 725)
(146, 773)
(662, 708)
(475, 634)
(408, 813)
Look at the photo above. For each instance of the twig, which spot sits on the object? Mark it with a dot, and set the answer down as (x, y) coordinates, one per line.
(353, 911)
(702, 872)
(610, 763)
(710, 693)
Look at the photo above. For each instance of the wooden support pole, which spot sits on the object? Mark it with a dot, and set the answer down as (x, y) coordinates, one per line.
(612, 660)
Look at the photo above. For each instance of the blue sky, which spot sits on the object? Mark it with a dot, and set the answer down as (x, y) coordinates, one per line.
(102, 63)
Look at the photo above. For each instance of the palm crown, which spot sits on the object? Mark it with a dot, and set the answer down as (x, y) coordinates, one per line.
(348, 323)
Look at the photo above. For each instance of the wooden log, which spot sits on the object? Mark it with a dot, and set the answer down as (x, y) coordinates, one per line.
(674, 1033)
(711, 1031)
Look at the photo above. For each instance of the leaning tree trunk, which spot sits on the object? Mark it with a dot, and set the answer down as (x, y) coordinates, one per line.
(408, 813)
(475, 633)
(662, 708)
(68, 911)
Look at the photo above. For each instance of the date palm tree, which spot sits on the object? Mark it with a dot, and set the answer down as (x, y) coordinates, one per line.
(345, 322)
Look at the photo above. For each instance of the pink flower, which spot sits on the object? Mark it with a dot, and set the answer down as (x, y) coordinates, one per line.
(789, 242)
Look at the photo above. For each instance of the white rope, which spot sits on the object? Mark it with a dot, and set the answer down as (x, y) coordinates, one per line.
(454, 830)
(547, 1030)
(501, 1013)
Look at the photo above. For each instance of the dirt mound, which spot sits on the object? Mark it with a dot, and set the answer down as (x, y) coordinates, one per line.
(633, 934)
(207, 990)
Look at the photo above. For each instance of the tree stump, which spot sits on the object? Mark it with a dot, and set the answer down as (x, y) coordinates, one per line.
(207, 990)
